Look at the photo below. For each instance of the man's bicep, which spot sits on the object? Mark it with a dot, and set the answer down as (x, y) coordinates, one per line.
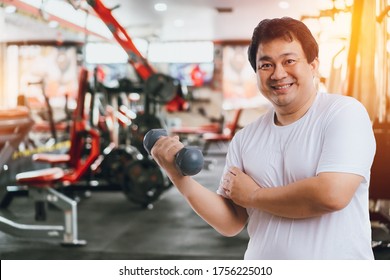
(340, 186)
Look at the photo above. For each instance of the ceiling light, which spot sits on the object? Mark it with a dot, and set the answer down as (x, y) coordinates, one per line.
(160, 7)
(284, 5)
(10, 9)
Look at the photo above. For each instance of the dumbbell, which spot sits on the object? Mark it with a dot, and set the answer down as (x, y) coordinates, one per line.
(189, 160)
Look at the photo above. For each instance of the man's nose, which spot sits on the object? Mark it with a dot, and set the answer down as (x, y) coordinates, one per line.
(279, 72)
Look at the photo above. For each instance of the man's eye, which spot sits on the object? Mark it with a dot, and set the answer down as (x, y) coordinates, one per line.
(290, 61)
(265, 66)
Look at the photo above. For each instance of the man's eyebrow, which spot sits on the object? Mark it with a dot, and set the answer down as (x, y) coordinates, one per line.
(268, 58)
(264, 57)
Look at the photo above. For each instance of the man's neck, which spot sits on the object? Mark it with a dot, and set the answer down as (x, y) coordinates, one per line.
(283, 118)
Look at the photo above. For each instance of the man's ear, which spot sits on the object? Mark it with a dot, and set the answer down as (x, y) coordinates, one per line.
(314, 66)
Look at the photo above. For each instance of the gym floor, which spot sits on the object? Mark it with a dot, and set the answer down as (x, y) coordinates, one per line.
(115, 229)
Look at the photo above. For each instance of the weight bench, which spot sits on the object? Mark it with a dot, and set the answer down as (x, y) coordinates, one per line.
(199, 130)
(227, 134)
(41, 184)
(14, 127)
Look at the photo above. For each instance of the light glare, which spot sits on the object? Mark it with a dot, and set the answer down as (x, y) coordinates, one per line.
(160, 7)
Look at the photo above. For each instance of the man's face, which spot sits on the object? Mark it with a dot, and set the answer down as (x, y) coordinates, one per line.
(284, 76)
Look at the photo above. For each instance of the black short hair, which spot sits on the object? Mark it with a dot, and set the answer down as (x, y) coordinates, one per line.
(287, 28)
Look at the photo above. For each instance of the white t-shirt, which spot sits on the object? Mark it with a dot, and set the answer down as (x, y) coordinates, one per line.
(335, 135)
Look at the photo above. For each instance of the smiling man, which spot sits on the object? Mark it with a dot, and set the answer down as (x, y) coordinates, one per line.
(298, 176)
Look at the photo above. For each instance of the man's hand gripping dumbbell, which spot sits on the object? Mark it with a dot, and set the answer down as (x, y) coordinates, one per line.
(187, 161)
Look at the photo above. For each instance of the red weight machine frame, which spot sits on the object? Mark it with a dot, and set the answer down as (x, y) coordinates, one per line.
(80, 131)
(136, 59)
(140, 64)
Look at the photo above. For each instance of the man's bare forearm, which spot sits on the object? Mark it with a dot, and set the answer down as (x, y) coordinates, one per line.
(219, 212)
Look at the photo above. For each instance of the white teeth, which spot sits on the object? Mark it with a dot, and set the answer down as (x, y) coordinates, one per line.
(283, 87)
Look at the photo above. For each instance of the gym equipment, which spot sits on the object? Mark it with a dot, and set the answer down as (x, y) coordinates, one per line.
(46, 122)
(228, 131)
(160, 88)
(83, 152)
(79, 158)
(121, 163)
(41, 184)
(50, 115)
(189, 160)
(144, 182)
(140, 126)
(88, 160)
(214, 126)
(159, 85)
(141, 179)
(14, 127)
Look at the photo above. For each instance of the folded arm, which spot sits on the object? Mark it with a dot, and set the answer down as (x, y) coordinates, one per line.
(314, 196)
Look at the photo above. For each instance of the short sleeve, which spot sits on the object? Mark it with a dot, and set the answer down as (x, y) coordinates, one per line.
(349, 143)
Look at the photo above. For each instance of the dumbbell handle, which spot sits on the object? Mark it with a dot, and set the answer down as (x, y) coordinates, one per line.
(189, 160)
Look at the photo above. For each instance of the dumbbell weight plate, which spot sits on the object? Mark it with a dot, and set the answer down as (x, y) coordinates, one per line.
(160, 88)
(113, 167)
(144, 182)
